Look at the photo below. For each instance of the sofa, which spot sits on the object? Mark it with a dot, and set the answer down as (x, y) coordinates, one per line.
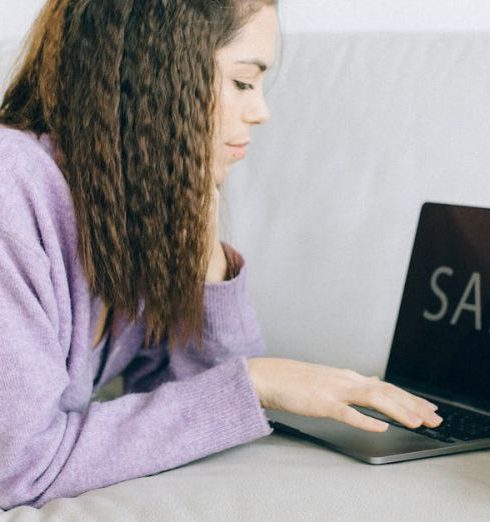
(376, 107)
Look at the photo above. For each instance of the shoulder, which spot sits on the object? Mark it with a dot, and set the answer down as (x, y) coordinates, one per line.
(22, 144)
(34, 194)
(22, 153)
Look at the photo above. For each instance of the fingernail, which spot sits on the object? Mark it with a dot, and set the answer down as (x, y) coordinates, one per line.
(433, 406)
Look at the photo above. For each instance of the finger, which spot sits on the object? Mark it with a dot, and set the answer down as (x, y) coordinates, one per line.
(421, 407)
(375, 399)
(414, 400)
(352, 417)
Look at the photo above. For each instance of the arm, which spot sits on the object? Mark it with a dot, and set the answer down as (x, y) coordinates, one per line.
(231, 329)
(230, 325)
(47, 452)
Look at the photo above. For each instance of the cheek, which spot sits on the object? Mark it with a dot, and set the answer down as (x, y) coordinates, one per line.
(229, 113)
(226, 124)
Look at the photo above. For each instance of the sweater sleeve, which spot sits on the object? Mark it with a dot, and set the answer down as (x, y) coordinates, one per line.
(231, 330)
(47, 453)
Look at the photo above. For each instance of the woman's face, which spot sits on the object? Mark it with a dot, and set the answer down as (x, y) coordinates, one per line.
(240, 97)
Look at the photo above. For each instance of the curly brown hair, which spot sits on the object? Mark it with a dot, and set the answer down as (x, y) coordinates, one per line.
(125, 89)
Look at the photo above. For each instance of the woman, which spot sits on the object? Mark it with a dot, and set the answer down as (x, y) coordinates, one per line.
(121, 123)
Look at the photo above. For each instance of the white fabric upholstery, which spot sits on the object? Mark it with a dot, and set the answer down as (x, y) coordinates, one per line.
(282, 479)
(9, 50)
(367, 125)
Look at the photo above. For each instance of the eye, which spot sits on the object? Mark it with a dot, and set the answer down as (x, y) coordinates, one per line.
(241, 86)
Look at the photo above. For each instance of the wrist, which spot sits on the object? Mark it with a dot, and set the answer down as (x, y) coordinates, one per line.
(255, 366)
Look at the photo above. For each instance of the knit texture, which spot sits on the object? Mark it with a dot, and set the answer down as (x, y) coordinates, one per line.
(55, 441)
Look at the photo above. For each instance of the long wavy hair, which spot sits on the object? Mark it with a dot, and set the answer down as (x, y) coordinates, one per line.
(125, 89)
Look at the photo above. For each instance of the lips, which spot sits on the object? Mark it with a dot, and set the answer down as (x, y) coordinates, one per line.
(238, 150)
(238, 144)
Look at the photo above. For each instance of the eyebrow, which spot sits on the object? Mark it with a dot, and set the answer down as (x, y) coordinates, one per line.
(259, 63)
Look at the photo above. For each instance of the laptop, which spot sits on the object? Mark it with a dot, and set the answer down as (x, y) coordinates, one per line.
(440, 348)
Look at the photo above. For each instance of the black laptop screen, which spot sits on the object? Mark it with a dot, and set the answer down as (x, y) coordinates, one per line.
(441, 344)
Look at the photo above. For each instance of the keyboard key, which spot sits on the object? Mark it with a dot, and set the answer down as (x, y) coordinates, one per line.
(458, 424)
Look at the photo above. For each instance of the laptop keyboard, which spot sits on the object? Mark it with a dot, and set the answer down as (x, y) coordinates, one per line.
(457, 425)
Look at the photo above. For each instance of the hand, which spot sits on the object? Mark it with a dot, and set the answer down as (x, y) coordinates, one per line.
(217, 266)
(322, 391)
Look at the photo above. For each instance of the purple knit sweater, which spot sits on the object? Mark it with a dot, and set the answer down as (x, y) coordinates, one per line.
(55, 441)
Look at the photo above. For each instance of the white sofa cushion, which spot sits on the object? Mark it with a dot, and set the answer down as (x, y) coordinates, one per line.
(282, 479)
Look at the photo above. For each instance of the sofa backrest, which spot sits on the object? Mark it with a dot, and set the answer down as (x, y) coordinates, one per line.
(9, 50)
(365, 127)
(367, 124)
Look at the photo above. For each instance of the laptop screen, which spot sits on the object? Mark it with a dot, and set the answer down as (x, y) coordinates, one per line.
(441, 344)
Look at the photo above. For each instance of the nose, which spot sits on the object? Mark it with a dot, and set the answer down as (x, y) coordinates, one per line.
(258, 111)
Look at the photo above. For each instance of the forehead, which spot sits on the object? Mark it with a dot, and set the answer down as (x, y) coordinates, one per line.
(256, 40)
